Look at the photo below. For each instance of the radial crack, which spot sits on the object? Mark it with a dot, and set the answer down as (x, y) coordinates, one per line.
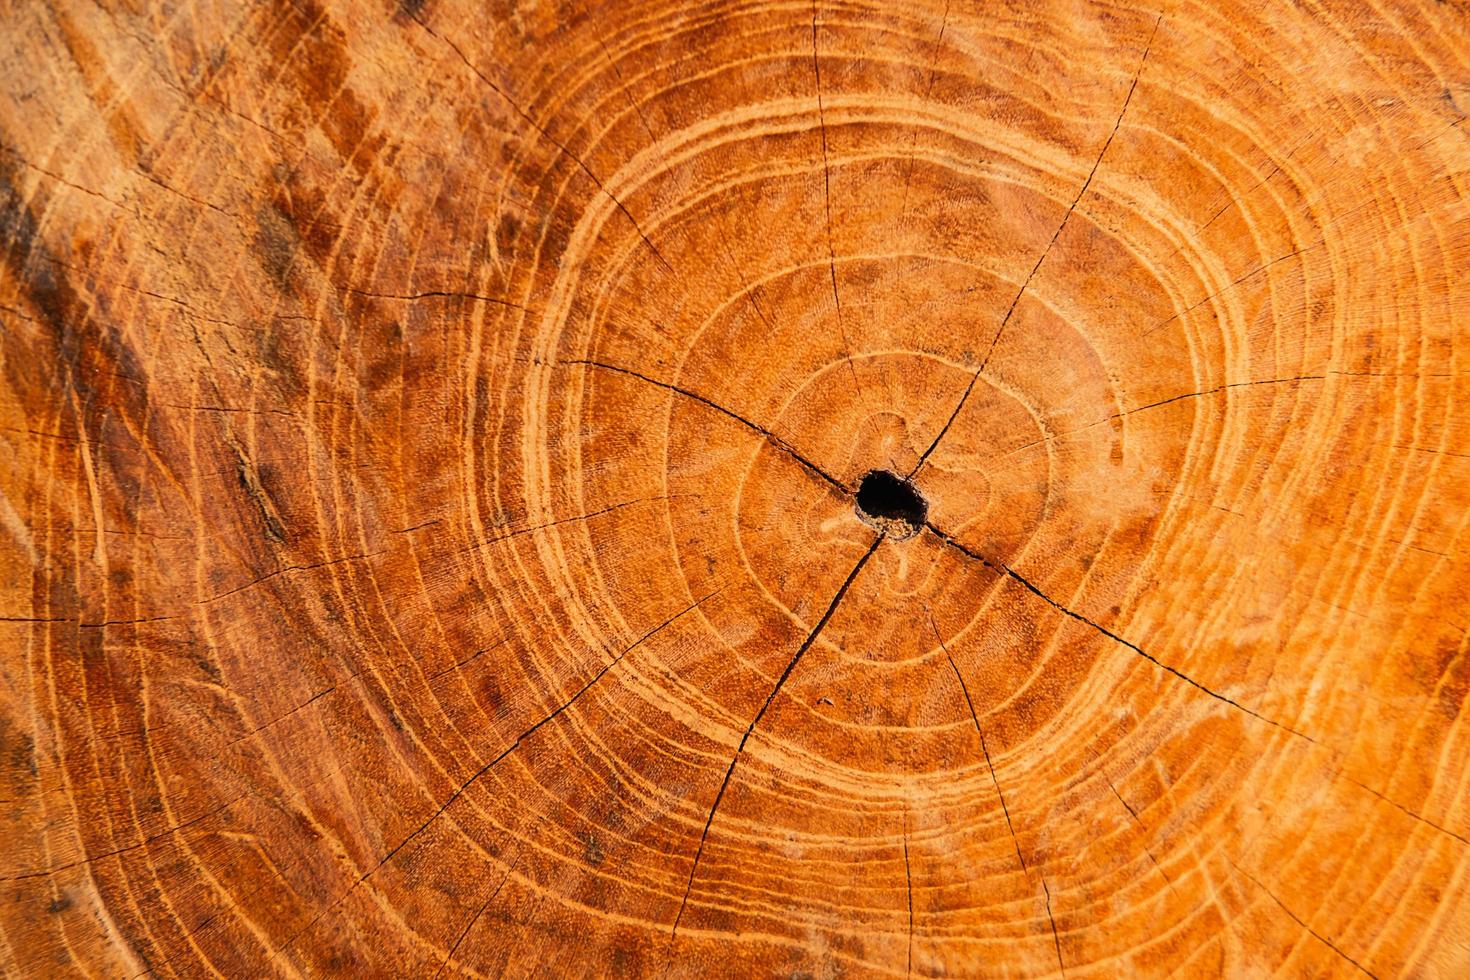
(1399, 806)
(826, 168)
(476, 917)
(1225, 289)
(442, 294)
(776, 441)
(1002, 569)
(1299, 921)
(1212, 391)
(985, 749)
(1159, 404)
(995, 780)
(914, 132)
(985, 360)
(289, 568)
(287, 714)
(485, 543)
(1141, 832)
(548, 718)
(1055, 937)
(145, 842)
(909, 884)
(460, 664)
(562, 147)
(827, 198)
(750, 729)
(493, 762)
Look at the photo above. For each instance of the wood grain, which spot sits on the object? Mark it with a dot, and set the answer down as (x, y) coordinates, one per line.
(432, 439)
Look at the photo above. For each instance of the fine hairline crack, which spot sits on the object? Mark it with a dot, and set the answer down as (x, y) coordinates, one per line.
(995, 780)
(984, 749)
(908, 876)
(545, 134)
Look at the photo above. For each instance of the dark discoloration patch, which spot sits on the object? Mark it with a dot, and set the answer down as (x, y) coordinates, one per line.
(331, 608)
(305, 210)
(208, 668)
(60, 904)
(19, 748)
(314, 49)
(276, 242)
(123, 125)
(492, 697)
(383, 363)
(85, 354)
(285, 349)
(24, 255)
(1449, 99)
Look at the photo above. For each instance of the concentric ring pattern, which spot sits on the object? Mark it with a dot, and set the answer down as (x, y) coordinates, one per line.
(432, 441)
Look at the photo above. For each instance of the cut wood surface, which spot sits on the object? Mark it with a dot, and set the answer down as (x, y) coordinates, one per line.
(804, 489)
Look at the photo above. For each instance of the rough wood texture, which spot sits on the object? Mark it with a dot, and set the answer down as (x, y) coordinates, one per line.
(432, 446)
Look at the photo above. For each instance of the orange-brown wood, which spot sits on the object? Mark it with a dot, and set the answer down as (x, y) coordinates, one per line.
(439, 514)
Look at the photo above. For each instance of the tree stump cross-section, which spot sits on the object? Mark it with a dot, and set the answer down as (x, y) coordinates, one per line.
(802, 489)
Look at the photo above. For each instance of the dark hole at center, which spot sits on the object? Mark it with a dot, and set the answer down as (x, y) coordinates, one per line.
(885, 496)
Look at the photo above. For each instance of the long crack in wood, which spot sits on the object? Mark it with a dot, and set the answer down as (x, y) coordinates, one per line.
(984, 748)
(1055, 936)
(827, 200)
(487, 767)
(908, 876)
(750, 729)
(1299, 921)
(479, 912)
(1000, 568)
(985, 360)
(776, 441)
